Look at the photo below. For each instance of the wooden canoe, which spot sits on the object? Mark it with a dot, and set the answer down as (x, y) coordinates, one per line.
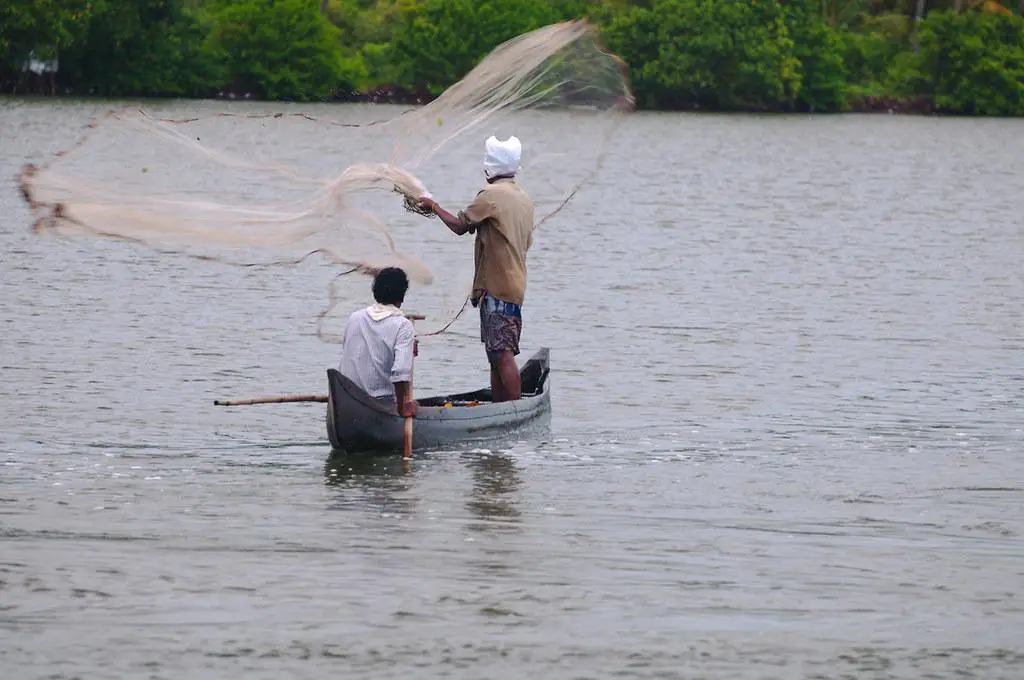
(357, 423)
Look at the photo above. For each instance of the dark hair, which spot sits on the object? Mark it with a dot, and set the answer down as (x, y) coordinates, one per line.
(389, 286)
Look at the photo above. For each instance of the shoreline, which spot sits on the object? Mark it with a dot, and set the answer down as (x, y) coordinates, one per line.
(395, 95)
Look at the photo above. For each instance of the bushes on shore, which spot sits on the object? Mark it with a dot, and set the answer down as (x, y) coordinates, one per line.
(746, 55)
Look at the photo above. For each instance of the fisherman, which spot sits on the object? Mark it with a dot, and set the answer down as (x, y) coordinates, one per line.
(501, 215)
(380, 343)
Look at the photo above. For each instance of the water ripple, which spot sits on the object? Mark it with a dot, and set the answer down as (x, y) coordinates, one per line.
(788, 388)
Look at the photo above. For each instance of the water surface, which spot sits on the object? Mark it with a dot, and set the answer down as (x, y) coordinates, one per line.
(788, 391)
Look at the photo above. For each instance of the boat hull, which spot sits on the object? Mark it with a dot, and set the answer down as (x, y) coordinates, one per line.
(359, 424)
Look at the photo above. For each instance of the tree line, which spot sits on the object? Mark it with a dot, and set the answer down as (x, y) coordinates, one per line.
(951, 56)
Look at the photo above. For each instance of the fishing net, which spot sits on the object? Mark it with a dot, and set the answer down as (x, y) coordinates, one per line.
(250, 186)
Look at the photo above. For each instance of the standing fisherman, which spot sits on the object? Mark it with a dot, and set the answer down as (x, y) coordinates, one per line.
(501, 215)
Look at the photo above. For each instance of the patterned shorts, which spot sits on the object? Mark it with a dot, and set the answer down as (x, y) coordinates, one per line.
(501, 324)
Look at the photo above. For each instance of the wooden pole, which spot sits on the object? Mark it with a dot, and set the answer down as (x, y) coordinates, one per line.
(407, 441)
(269, 400)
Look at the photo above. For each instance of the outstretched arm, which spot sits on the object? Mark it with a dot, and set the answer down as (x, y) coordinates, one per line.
(458, 224)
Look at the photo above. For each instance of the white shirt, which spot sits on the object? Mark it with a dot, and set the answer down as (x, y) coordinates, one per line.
(377, 350)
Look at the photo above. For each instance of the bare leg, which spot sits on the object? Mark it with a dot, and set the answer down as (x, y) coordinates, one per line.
(510, 377)
(505, 372)
(497, 330)
(497, 389)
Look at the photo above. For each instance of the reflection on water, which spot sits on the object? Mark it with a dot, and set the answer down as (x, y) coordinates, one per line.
(494, 496)
(383, 482)
(388, 481)
(341, 468)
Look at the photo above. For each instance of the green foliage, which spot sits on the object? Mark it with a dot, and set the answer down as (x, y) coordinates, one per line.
(875, 53)
(842, 14)
(364, 31)
(902, 78)
(633, 35)
(820, 53)
(282, 49)
(867, 56)
(44, 27)
(362, 21)
(778, 55)
(709, 54)
(141, 47)
(973, 63)
(437, 42)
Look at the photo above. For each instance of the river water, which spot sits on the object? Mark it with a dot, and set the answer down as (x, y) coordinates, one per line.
(787, 436)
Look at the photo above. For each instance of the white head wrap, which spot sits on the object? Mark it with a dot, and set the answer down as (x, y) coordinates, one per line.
(502, 158)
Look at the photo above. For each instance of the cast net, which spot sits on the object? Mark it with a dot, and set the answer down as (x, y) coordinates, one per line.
(252, 186)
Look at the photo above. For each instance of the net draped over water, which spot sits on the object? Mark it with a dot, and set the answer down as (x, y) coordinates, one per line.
(249, 186)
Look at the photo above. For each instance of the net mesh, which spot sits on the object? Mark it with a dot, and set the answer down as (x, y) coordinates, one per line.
(263, 188)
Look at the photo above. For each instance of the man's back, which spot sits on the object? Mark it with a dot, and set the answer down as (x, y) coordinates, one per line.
(505, 214)
(378, 350)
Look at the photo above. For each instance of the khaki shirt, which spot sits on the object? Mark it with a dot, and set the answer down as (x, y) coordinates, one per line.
(502, 214)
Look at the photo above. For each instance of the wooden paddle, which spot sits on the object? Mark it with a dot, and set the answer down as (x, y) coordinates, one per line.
(407, 441)
(269, 400)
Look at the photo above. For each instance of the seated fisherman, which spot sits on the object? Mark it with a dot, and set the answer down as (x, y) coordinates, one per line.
(380, 342)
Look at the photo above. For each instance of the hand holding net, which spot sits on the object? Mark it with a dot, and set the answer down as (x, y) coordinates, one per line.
(414, 204)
